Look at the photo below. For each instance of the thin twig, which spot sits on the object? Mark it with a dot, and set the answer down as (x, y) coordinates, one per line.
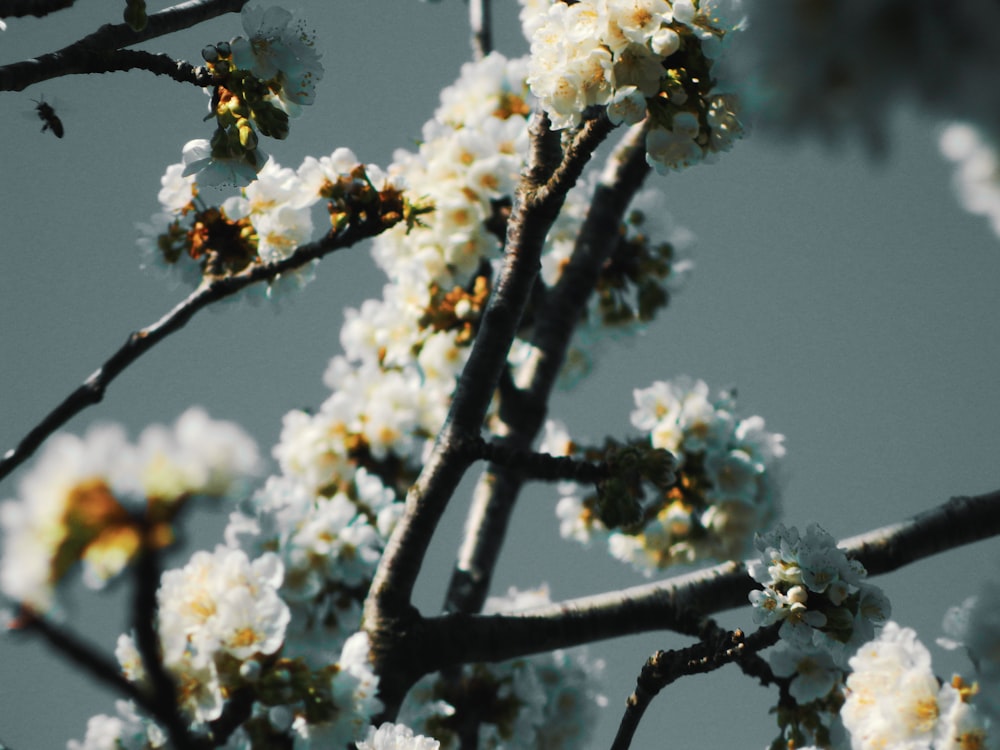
(141, 341)
(532, 465)
(481, 23)
(87, 54)
(161, 65)
(89, 659)
(665, 667)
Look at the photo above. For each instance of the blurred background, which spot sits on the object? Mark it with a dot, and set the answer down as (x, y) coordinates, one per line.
(848, 298)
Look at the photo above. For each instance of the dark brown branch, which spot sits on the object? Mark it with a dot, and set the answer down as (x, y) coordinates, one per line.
(36, 8)
(89, 54)
(666, 605)
(532, 465)
(161, 65)
(715, 650)
(146, 580)
(481, 23)
(390, 620)
(524, 411)
(89, 660)
(138, 343)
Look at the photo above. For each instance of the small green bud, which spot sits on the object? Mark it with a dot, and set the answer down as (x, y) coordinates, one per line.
(248, 138)
(658, 467)
(616, 506)
(271, 121)
(135, 15)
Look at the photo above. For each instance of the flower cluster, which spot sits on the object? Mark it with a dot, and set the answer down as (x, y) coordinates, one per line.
(402, 353)
(648, 264)
(545, 701)
(467, 167)
(396, 737)
(726, 486)
(894, 700)
(329, 544)
(292, 705)
(219, 618)
(128, 729)
(826, 610)
(977, 171)
(818, 595)
(266, 222)
(260, 80)
(975, 627)
(639, 59)
(99, 499)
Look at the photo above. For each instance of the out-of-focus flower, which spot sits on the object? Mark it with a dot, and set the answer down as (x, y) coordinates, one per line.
(97, 500)
(892, 694)
(833, 69)
(977, 170)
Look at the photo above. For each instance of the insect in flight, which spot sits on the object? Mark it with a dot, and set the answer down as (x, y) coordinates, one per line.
(48, 116)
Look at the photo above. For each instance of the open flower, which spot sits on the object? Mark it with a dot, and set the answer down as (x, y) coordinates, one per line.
(279, 51)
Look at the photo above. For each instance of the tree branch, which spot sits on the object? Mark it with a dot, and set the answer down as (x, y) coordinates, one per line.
(713, 651)
(37, 8)
(494, 498)
(139, 342)
(532, 465)
(146, 580)
(89, 659)
(89, 55)
(481, 23)
(390, 619)
(667, 605)
(161, 65)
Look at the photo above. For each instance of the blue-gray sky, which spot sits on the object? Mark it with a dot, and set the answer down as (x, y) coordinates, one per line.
(851, 302)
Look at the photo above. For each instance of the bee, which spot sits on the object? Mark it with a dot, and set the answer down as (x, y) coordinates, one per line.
(48, 116)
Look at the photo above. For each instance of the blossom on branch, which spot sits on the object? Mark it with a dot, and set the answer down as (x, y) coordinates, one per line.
(279, 50)
(894, 700)
(819, 596)
(98, 500)
(726, 490)
(639, 59)
(268, 221)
